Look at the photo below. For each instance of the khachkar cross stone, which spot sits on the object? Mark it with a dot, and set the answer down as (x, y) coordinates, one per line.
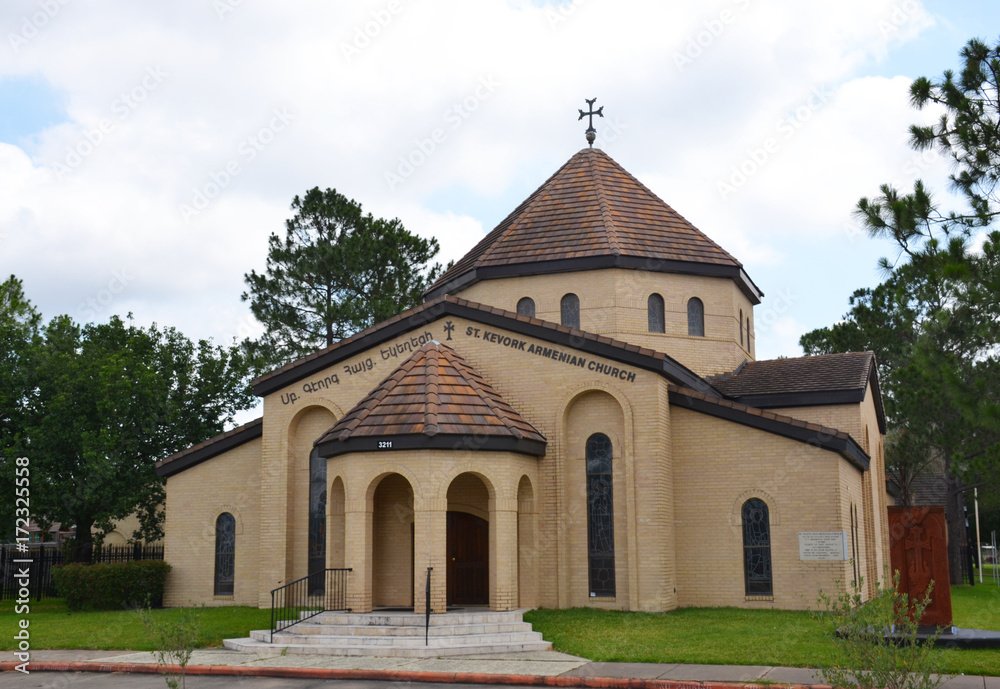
(591, 132)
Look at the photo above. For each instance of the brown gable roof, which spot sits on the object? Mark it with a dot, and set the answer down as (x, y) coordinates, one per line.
(196, 454)
(592, 214)
(804, 381)
(814, 434)
(433, 395)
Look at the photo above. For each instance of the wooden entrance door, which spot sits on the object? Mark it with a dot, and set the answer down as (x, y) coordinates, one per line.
(468, 559)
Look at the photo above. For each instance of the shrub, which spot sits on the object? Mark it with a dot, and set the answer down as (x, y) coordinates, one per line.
(175, 641)
(877, 640)
(111, 586)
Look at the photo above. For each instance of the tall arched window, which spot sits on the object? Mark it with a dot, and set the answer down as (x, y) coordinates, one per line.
(696, 317)
(748, 333)
(741, 327)
(654, 307)
(526, 307)
(225, 554)
(600, 517)
(317, 522)
(570, 310)
(757, 548)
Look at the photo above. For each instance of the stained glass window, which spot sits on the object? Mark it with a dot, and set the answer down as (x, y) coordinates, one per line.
(654, 306)
(696, 317)
(741, 326)
(317, 522)
(526, 307)
(600, 517)
(570, 310)
(757, 548)
(225, 554)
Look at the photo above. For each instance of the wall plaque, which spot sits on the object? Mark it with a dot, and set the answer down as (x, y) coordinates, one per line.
(822, 545)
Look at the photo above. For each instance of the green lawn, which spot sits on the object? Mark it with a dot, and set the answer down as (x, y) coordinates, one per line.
(53, 626)
(691, 635)
(733, 636)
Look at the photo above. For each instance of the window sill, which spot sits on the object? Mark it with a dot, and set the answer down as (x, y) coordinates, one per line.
(760, 598)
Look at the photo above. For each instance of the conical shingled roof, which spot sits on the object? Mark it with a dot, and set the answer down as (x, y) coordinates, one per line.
(591, 208)
(434, 399)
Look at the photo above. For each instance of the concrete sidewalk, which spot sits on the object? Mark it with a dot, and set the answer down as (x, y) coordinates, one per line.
(537, 668)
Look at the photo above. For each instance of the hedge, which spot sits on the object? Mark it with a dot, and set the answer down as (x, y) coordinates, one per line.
(112, 586)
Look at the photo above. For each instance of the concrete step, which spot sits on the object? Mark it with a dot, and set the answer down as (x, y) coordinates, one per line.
(309, 627)
(414, 620)
(338, 640)
(254, 646)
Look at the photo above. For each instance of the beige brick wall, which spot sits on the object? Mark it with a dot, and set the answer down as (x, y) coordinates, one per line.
(614, 303)
(196, 497)
(717, 467)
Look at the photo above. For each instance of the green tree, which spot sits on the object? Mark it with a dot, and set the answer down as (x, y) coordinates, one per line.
(934, 323)
(111, 399)
(336, 271)
(19, 334)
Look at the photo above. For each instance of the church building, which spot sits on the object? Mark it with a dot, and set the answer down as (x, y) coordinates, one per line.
(574, 417)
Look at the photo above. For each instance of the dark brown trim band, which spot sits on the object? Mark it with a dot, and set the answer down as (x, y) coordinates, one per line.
(210, 448)
(391, 443)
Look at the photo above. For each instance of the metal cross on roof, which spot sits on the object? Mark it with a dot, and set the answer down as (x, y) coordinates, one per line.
(591, 132)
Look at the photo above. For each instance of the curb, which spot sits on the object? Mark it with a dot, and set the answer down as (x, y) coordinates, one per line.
(393, 676)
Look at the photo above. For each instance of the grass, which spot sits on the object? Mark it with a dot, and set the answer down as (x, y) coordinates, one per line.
(53, 626)
(734, 636)
(726, 636)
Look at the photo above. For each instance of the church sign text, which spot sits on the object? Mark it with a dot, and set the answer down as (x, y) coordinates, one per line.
(550, 353)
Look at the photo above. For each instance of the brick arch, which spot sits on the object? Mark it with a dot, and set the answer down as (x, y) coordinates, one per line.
(736, 514)
(366, 488)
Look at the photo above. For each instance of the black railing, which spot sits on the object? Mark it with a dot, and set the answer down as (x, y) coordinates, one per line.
(304, 598)
(427, 606)
(45, 557)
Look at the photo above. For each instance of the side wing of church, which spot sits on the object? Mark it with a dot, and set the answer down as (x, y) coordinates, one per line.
(574, 417)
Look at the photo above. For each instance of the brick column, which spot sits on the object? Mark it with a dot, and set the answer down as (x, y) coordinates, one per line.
(358, 554)
(430, 534)
(503, 554)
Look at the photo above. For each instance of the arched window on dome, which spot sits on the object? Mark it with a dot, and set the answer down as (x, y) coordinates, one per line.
(757, 548)
(600, 517)
(696, 317)
(225, 554)
(526, 307)
(656, 317)
(569, 309)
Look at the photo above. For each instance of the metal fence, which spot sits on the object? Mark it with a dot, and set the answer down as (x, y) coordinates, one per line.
(39, 560)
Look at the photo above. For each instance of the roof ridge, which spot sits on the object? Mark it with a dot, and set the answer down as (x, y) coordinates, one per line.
(655, 197)
(499, 413)
(602, 199)
(373, 399)
(431, 404)
(543, 191)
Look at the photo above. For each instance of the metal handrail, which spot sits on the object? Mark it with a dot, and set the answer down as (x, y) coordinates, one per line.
(324, 590)
(427, 607)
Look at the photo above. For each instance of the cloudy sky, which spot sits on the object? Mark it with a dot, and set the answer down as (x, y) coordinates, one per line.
(147, 150)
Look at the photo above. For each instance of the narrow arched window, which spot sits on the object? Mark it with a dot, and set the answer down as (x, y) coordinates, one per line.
(696, 317)
(748, 333)
(757, 548)
(526, 307)
(570, 310)
(600, 517)
(225, 554)
(741, 327)
(654, 307)
(317, 522)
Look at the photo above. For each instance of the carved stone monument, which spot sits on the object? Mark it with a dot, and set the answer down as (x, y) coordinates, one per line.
(919, 552)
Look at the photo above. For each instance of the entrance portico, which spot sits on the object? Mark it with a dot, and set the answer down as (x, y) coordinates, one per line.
(420, 491)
